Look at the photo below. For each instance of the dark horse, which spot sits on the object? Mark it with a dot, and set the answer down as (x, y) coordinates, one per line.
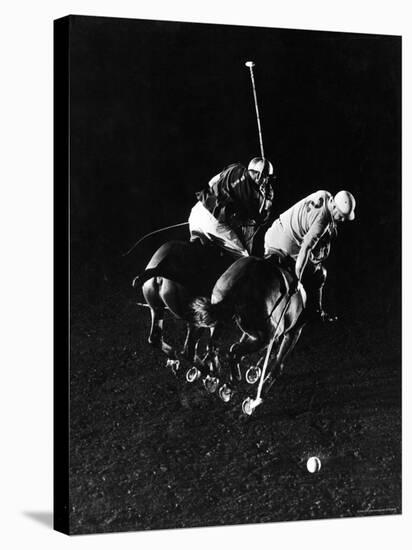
(176, 274)
(257, 293)
(263, 298)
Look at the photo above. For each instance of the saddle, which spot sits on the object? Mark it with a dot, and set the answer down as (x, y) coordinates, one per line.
(214, 243)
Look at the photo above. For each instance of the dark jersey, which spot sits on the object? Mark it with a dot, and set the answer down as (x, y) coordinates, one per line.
(233, 197)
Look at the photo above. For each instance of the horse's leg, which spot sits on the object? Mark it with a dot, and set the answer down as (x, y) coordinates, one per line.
(288, 343)
(209, 363)
(294, 322)
(286, 349)
(212, 351)
(277, 366)
(214, 336)
(177, 299)
(192, 337)
(249, 343)
(156, 333)
(151, 292)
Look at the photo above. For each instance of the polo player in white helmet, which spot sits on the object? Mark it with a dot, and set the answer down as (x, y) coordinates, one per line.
(234, 204)
(304, 233)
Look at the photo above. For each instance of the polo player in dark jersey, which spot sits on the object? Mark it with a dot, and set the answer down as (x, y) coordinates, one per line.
(234, 204)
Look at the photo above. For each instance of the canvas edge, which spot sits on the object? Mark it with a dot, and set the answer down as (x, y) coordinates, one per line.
(61, 337)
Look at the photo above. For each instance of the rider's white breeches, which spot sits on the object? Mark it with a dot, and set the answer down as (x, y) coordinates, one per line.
(203, 223)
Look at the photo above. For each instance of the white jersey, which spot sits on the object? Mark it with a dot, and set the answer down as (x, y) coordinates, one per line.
(305, 222)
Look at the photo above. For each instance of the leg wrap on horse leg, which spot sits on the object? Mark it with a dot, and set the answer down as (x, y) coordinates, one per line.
(314, 280)
(155, 336)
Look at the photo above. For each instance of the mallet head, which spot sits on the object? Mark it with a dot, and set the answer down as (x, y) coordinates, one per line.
(250, 64)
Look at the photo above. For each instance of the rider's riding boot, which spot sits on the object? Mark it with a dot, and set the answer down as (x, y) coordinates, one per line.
(314, 308)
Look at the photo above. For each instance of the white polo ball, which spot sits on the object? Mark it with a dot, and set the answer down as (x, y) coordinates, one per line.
(313, 464)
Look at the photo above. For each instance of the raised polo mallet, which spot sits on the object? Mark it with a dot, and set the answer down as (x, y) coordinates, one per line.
(251, 64)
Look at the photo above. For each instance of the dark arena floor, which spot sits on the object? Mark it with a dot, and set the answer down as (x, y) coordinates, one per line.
(150, 451)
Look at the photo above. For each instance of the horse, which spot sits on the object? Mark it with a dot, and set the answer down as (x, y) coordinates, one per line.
(264, 299)
(176, 274)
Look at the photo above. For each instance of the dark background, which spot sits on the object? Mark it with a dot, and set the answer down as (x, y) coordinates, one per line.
(156, 109)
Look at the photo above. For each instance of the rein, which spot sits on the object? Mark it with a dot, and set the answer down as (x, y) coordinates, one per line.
(277, 302)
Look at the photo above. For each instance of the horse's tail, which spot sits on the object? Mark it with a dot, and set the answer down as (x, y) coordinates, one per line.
(206, 314)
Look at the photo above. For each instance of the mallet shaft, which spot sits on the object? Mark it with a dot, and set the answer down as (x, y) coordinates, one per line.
(251, 64)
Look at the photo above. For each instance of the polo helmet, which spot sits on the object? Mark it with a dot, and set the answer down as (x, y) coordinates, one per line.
(261, 165)
(345, 203)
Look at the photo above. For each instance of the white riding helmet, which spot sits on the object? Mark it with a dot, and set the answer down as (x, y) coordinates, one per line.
(345, 203)
(261, 165)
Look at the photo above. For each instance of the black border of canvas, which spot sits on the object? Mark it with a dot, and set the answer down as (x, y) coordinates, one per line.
(61, 275)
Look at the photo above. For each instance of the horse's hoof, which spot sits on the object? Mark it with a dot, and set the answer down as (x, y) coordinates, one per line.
(211, 383)
(173, 364)
(253, 374)
(249, 405)
(225, 393)
(193, 374)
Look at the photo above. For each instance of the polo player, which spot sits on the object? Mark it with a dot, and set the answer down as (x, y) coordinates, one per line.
(304, 234)
(234, 204)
